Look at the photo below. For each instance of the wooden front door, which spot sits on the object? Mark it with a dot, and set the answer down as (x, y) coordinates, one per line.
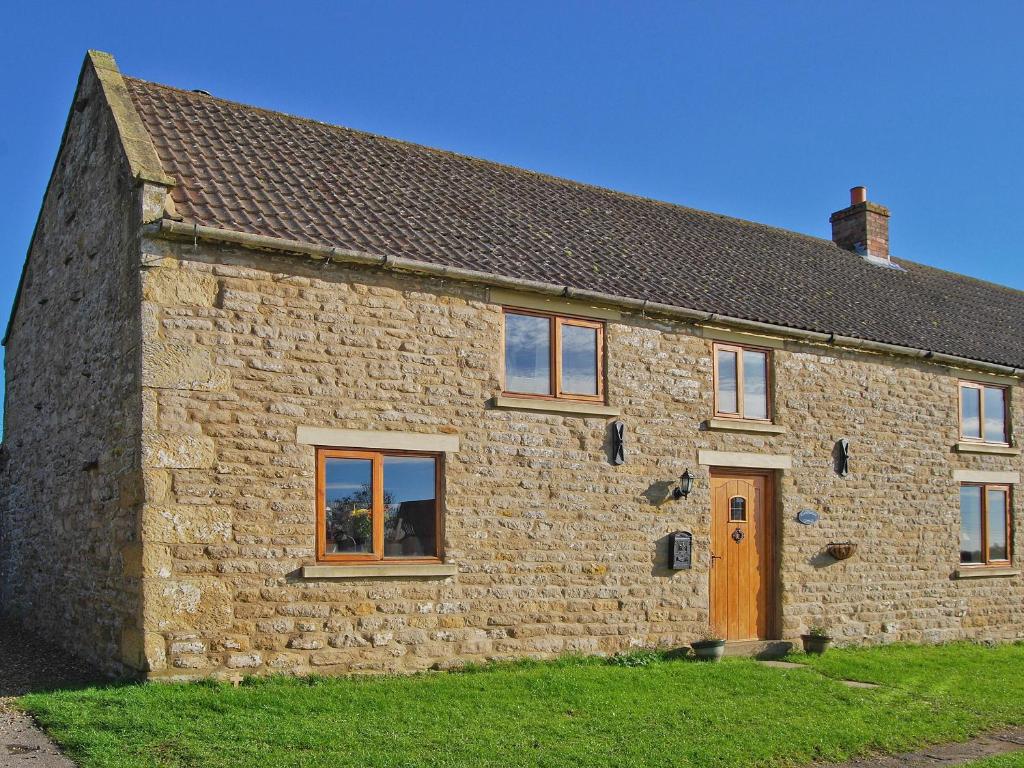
(741, 555)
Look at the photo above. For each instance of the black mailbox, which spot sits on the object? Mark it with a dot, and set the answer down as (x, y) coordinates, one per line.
(680, 550)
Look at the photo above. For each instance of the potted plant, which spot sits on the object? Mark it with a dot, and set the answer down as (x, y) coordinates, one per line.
(708, 647)
(817, 640)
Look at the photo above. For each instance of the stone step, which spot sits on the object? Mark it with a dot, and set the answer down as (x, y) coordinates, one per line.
(758, 649)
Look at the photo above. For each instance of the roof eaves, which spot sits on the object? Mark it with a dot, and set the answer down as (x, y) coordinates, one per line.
(177, 230)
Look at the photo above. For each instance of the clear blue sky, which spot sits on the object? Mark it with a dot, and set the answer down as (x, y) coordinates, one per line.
(766, 111)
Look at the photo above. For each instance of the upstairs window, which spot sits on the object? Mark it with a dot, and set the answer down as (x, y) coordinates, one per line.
(983, 413)
(378, 506)
(553, 356)
(984, 524)
(741, 382)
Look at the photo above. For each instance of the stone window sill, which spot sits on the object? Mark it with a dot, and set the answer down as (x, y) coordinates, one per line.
(564, 407)
(985, 572)
(998, 450)
(380, 571)
(744, 425)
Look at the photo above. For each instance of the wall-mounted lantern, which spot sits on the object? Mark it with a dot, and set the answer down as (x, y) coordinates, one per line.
(685, 485)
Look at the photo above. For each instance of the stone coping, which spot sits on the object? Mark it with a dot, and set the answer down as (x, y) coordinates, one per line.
(744, 425)
(379, 571)
(564, 407)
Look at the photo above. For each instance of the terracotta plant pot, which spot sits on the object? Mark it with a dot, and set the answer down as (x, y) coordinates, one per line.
(816, 643)
(841, 550)
(708, 650)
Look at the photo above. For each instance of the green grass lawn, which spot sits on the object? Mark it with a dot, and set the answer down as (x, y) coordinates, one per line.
(1013, 760)
(573, 713)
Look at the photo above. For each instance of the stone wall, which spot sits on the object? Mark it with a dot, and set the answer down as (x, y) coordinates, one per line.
(70, 488)
(558, 551)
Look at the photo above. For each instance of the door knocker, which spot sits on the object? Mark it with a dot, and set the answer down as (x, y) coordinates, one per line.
(737, 535)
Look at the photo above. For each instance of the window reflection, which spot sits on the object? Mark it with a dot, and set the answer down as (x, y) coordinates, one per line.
(727, 394)
(995, 416)
(410, 506)
(755, 385)
(971, 543)
(996, 525)
(970, 411)
(579, 359)
(527, 354)
(348, 498)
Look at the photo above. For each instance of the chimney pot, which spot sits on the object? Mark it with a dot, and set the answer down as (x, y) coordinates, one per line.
(858, 195)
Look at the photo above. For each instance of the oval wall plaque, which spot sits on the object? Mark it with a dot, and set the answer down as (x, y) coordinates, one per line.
(807, 517)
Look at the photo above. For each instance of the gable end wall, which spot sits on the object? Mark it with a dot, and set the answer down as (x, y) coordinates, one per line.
(71, 485)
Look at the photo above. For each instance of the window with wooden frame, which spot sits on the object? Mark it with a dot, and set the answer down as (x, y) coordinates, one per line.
(553, 356)
(983, 410)
(742, 382)
(377, 506)
(985, 527)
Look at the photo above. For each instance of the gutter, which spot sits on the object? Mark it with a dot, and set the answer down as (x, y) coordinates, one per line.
(178, 230)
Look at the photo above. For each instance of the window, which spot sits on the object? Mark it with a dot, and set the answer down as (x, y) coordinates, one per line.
(553, 356)
(374, 505)
(741, 382)
(737, 509)
(984, 524)
(983, 413)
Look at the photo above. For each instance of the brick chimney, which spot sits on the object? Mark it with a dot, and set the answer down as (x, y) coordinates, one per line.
(863, 227)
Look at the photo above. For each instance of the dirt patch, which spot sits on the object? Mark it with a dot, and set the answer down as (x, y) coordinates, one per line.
(28, 664)
(940, 755)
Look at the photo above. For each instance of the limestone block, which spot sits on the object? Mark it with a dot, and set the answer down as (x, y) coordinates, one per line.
(155, 648)
(175, 605)
(157, 484)
(156, 560)
(243, 661)
(167, 365)
(180, 451)
(184, 524)
(179, 287)
(132, 650)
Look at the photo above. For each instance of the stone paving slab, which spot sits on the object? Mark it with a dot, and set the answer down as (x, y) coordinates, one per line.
(858, 684)
(782, 664)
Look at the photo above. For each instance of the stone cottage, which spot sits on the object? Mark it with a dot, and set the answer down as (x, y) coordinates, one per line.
(288, 397)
